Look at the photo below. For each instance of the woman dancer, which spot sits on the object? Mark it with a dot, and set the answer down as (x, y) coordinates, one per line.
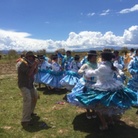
(133, 70)
(84, 83)
(107, 96)
(53, 77)
(71, 77)
(43, 68)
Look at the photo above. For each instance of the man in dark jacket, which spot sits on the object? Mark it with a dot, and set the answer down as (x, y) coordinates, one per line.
(26, 70)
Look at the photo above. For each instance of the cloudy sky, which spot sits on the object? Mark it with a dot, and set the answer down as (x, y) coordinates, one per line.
(69, 24)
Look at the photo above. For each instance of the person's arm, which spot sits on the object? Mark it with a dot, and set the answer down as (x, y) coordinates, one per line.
(84, 60)
(79, 65)
(117, 65)
(60, 55)
(93, 73)
(82, 69)
(33, 69)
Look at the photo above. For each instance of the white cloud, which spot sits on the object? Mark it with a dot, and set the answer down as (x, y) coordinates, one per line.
(131, 35)
(128, 10)
(90, 14)
(105, 12)
(76, 41)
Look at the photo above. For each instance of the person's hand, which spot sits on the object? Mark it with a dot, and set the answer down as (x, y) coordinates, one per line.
(56, 51)
(35, 64)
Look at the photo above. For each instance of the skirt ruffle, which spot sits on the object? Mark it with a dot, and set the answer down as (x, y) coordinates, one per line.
(39, 75)
(111, 102)
(70, 80)
(133, 84)
(52, 79)
(82, 86)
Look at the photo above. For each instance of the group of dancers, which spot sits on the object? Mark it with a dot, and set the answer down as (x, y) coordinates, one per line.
(97, 84)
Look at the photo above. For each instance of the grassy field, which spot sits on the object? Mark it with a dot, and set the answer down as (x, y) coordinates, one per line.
(62, 120)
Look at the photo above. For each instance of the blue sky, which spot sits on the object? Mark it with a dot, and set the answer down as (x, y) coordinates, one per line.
(69, 24)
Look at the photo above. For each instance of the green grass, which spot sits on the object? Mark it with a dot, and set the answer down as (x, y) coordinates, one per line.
(63, 121)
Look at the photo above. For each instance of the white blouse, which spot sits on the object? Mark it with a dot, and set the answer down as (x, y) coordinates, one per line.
(56, 66)
(104, 74)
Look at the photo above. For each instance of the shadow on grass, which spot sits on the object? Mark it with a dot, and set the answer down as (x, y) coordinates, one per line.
(36, 125)
(47, 91)
(91, 126)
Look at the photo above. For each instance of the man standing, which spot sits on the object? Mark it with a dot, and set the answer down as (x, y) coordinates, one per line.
(26, 70)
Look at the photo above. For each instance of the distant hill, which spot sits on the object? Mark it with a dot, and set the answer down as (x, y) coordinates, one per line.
(77, 50)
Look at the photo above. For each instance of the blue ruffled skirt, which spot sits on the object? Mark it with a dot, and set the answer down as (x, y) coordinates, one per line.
(133, 84)
(39, 75)
(81, 87)
(112, 102)
(70, 79)
(52, 78)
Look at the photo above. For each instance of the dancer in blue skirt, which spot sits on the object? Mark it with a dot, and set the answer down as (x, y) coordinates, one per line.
(71, 76)
(133, 70)
(107, 96)
(53, 76)
(84, 83)
(43, 68)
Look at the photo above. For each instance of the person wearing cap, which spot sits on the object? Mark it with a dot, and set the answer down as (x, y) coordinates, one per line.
(108, 96)
(84, 83)
(26, 71)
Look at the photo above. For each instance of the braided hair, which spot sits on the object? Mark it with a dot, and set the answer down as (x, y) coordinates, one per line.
(107, 56)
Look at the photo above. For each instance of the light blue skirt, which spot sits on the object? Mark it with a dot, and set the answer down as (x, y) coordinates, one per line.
(111, 102)
(39, 75)
(53, 78)
(133, 84)
(81, 87)
(70, 79)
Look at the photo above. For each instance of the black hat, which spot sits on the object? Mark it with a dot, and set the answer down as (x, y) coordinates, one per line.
(92, 52)
(40, 56)
(29, 53)
(76, 57)
(54, 56)
(107, 55)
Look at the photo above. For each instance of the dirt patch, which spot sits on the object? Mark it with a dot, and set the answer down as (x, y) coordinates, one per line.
(7, 68)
